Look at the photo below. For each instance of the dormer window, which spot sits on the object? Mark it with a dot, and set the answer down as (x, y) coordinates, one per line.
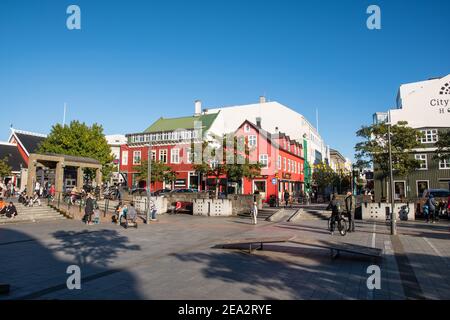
(246, 128)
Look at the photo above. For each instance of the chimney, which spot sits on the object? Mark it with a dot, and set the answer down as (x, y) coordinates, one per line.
(198, 107)
(262, 99)
(258, 122)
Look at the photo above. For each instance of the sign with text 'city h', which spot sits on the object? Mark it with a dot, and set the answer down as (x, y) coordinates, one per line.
(424, 104)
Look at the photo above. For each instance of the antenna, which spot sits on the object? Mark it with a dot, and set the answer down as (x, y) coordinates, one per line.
(64, 116)
(317, 120)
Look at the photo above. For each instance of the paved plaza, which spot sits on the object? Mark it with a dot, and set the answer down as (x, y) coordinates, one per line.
(175, 259)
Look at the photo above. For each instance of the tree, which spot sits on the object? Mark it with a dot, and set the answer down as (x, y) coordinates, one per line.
(160, 172)
(443, 146)
(374, 149)
(78, 139)
(323, 176)
(5, 169)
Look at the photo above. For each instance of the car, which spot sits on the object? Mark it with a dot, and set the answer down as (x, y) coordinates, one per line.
(139, 192)
(440, 195)
(161, 192)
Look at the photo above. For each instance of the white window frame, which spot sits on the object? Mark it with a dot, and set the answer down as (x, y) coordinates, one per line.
(125, 154)
(264, 158)
(161, 153)
(175, 156)
(279, 163)
(189, 155)
(417, 186)
(135, 153)
(444, 164)
(153, 155)
(432, 133)
(254, 140)
(418, 156)
(284, 164)
(404, 184)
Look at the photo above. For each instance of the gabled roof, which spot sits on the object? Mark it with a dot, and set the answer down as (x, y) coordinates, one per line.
(12, 154)
(29, 141)
(171, 124)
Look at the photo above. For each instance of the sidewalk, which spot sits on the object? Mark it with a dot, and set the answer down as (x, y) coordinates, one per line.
(174, 259)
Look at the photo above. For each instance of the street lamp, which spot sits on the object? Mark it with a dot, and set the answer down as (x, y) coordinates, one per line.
(149, 181)
(391, 174)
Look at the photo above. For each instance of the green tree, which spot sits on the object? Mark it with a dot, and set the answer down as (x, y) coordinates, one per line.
(443, 146)
(324, 176)
(160, 172)
(374, 149)
(78, 139)
(5, 169)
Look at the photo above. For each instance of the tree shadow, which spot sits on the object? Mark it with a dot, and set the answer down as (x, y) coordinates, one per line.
(37, 270)
(95, 247)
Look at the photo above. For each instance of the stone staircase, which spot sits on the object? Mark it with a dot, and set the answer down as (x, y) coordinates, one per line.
(263, 213)
(33, 214)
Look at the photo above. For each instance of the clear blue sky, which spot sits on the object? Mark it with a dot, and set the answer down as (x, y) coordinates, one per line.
(134, 61)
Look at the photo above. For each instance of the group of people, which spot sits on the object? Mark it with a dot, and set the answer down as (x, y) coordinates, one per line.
(9, 210)
(29, 201)
(432, 208)
(337, 209)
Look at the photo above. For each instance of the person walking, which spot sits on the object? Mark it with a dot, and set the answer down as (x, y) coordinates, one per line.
(89, 209)
(153, 210)
(335, 208)
(286, 198)
(350, 210)
(254, 212)
(431, 208)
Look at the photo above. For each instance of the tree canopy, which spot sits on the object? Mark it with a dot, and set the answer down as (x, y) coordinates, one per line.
(374, 148)
(160, 172)
(443, 146)
(5, 169)
(79, 139)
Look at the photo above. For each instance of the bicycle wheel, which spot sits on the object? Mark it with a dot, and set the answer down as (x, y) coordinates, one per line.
(342, 227)
(329, 224)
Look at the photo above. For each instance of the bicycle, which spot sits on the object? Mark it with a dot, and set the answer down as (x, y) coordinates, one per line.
(341, 224)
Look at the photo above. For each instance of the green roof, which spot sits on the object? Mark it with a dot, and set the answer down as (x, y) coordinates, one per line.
(162, 125)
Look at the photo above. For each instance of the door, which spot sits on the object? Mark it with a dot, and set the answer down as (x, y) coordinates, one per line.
(260, 186)
(400, 187)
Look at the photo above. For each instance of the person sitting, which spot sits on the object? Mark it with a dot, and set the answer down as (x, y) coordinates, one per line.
(2, 206)
(23, 198)
(11, 211)
(35, 199)
(122, 213)
(131, 213)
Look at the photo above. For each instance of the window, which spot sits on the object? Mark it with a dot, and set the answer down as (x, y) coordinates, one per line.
(422, 185)
(252, 141)
(289, 165)
(188, 155)
(430, 136)
(423, 161)
(136, 157)
(285, 165)
(399, 187)
(444, 164)
(175, 156)
(163, 156)
(124, 158)
(300, 169)
(295, 167)
(153, 155)
(279, 163)
(264, 160)
(246, 128)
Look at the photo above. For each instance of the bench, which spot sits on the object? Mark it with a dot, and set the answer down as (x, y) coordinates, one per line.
(252, 241)
(335, 247)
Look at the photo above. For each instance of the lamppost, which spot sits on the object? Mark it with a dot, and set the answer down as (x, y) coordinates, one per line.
(391, 174)
(149, 181)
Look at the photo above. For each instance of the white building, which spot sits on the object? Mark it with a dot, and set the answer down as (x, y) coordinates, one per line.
(115, 141)
(273, 117)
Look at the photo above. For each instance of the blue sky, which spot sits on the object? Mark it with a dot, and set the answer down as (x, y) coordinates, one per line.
(134, 61)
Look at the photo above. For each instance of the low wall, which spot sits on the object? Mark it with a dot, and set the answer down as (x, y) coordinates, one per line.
(243, 203)
(212, 207)
(161, 203)
(378, 210)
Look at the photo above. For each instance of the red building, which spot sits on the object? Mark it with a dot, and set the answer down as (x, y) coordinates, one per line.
(171, 143)
(282, 160)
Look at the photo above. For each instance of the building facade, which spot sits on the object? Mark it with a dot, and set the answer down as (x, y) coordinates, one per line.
(425, 105)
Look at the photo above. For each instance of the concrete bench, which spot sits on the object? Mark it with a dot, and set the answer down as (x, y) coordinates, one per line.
(335, 247)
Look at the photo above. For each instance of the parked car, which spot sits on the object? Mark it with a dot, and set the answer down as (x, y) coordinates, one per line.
(161, 192)
(139, 192)
(440, 195)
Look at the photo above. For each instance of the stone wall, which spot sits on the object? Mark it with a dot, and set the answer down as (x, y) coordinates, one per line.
(212, 207)
(242, 203)
(378, 210)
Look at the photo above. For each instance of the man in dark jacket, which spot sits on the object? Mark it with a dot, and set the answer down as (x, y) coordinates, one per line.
(89, 209)
(350, 210)
(431, 208)
(11, 211)
(286, 198)
(335, 208)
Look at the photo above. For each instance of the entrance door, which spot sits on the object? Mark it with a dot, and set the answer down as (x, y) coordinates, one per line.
(422, 185)
(260, 186)
(400, 187)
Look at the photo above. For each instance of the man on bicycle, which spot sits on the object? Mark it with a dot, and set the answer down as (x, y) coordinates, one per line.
(335, 207)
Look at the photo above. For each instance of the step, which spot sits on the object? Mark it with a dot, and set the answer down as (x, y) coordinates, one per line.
(17, 220)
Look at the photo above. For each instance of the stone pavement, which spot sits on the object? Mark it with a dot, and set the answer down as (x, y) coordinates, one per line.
(174, 259)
